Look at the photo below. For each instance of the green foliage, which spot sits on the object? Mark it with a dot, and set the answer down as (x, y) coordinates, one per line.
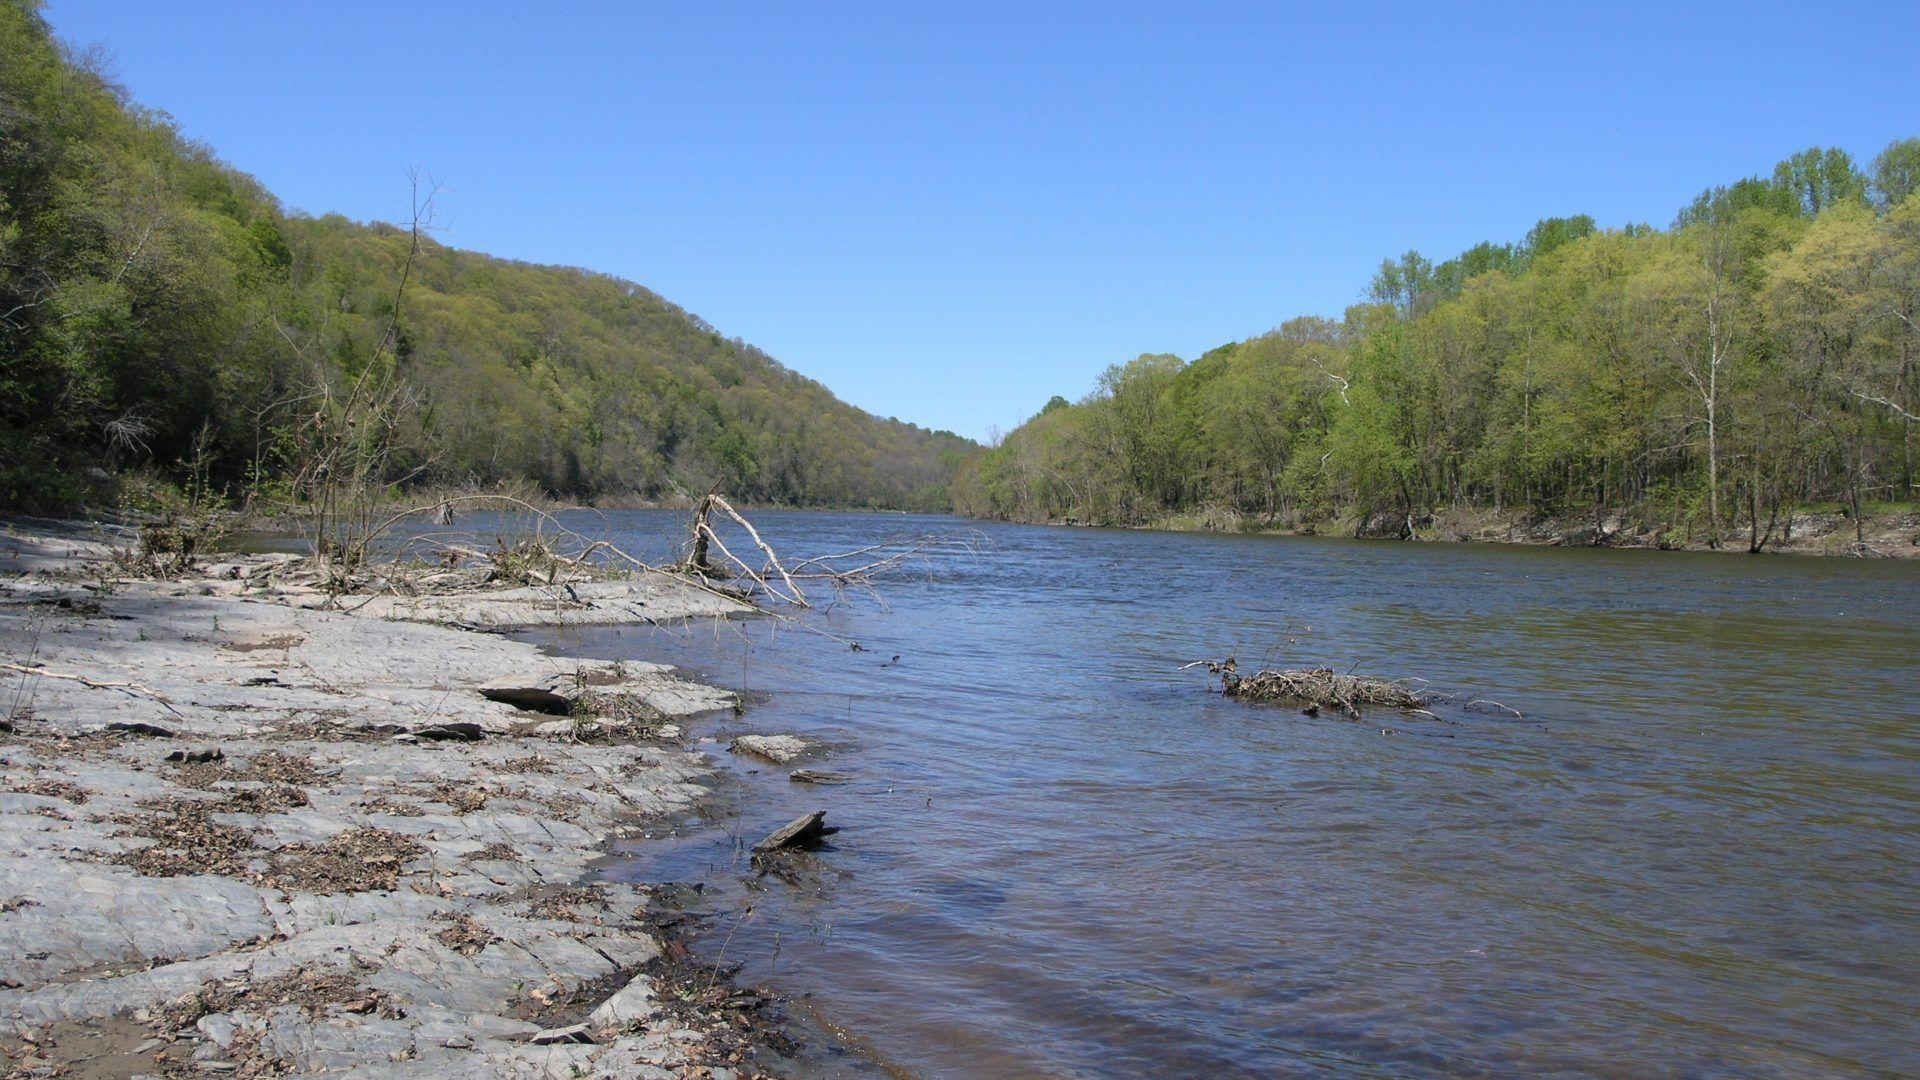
(1552, 233)
(1896, 172)
(1402, 283)
(148, 291)
(1707, 379)
(1740, 197)
(1450, 277)
(1821, 179)
(1373, 443)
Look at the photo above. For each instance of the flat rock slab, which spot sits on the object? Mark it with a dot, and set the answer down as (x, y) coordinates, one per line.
(276, 837)
(649, 598)
(37, 545)
(201, 666)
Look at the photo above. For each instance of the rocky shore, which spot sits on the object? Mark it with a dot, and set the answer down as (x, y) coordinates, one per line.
(251, 829)
(1892, 534)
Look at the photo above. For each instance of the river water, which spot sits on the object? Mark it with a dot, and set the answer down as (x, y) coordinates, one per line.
(1695, 851)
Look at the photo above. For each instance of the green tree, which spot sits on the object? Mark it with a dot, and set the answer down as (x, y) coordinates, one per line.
(1896, 172)
(1551, 234)
(1373, 443)
(1403, 283)
(1818, 295)
(1819, 179)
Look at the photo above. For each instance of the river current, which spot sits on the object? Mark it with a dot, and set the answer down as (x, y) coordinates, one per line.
(1665, 821)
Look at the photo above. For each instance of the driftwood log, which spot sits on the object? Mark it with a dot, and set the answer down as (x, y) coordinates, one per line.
(803, 831)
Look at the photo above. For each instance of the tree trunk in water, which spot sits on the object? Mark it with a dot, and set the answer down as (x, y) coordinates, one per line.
(698, 560)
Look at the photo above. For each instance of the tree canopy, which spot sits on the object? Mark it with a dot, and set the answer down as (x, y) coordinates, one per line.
(154, 301)
(1756, 356)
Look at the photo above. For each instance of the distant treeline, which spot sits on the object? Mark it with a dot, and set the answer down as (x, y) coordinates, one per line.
(159, 309)
(1755, 356)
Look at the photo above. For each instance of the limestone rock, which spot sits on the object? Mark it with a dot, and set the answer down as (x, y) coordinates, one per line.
(632, 1004)
(779, 749)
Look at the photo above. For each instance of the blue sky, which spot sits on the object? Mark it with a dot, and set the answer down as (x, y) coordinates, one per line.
(949, 214)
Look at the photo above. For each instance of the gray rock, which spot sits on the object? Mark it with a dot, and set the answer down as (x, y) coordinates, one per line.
(488, 1026)
(92, 936)
(219, 1028)
(572, 1033)
(779, 749)
(650, 597)
(632, 1004)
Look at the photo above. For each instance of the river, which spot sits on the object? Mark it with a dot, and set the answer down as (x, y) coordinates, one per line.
(1694, 851)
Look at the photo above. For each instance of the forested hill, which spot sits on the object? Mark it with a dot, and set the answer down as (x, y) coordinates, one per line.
(1708, 378)
(153, 300)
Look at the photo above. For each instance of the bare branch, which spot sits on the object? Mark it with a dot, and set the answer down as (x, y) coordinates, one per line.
(128, 688)
(796, 597)
(1341, 380)
(1902, 413)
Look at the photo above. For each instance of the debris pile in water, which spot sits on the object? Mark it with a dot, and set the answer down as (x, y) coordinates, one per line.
(1314, 687)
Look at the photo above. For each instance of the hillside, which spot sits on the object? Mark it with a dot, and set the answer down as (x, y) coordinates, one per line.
(160, 309)
(1700, 383)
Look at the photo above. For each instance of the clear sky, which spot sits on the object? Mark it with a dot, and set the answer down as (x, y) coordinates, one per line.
(949, 213)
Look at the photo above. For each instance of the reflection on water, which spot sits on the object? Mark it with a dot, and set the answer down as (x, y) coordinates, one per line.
(1694, 853)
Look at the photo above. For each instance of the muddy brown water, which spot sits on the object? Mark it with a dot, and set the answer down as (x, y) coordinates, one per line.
(1696, 852)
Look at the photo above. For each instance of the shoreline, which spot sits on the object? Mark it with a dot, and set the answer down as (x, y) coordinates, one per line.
(1820, 535)
(241, 834)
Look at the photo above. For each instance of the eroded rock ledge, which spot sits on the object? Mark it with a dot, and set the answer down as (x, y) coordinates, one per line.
(243, 836)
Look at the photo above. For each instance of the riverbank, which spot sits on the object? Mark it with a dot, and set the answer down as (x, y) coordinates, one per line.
(1888, 535)
(247, 828)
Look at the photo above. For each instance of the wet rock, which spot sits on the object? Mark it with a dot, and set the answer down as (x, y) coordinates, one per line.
(801, 832)
(779, 749)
